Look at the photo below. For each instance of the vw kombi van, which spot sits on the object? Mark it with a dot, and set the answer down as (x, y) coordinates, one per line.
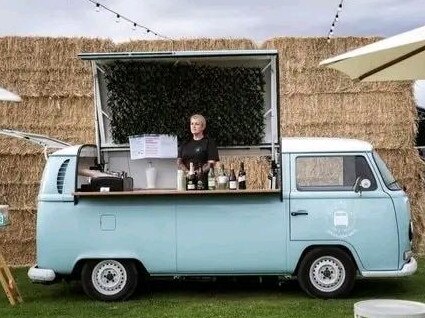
(319, 226)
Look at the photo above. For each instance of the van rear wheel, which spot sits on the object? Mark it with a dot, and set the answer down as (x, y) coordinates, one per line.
(109, 280)
(327, 273)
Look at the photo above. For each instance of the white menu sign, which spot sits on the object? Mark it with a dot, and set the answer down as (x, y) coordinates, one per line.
(153, 146)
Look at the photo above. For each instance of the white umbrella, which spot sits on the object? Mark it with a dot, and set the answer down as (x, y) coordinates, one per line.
(7, 96)
(400, 57)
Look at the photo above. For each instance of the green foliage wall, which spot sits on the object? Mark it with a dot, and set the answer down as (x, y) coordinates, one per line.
(160, 97)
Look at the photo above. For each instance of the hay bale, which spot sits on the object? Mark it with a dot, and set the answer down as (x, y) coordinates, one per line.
(256, 169)
(43, 66)
(27, 167)
(185, 45)
(18, 239)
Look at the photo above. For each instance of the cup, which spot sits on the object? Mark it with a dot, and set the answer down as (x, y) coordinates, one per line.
(150, 177)
(181, 180)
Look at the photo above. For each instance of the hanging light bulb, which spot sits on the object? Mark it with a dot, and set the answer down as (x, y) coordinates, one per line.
(336, 19)
(100, 7)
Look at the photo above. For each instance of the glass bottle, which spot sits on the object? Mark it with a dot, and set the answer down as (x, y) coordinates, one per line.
(200, 180)
(211, 178)
(242, 177)
(273, 175)
(191, 178)
(233, 184)
(222, 179)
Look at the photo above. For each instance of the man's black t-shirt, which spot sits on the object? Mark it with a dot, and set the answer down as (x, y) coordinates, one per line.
(198, 151)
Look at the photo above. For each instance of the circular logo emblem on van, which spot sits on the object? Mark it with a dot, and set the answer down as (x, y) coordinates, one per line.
(341, 223)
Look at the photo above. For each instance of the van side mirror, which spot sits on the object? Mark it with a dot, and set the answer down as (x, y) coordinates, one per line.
(361, 184)
(357, 185)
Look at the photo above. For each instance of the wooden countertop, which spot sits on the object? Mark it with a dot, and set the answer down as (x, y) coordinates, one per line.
(173, 192)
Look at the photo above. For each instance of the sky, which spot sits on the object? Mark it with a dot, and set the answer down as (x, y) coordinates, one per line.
(256, 20)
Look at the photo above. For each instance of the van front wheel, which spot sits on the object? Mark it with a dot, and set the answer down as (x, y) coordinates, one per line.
(327, 273)
(109, 280)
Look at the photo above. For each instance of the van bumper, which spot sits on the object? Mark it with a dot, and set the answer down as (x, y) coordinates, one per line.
(408, 269)
(41, 275)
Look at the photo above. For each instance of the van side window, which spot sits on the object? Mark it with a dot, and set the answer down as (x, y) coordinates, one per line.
(332, 173)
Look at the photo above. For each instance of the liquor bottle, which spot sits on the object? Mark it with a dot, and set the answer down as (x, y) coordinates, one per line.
(222, 179)
(191, 178)
(233, 183)
(241, 177)
(211, 178)
(200, 180)
(273, 175)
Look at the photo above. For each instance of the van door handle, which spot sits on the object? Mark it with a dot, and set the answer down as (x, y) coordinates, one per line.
(299, 212)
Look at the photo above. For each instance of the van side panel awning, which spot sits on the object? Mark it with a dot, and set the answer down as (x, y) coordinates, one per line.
(176, 54)
(40, 140)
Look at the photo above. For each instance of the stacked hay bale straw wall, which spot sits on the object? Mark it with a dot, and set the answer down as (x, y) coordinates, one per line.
(56, 89)
(58, 101)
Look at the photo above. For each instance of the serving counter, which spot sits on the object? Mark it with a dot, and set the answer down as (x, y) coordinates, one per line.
(145, 192)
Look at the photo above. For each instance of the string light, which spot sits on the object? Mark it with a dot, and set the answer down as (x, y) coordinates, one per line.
(336, 19)
(120, 17)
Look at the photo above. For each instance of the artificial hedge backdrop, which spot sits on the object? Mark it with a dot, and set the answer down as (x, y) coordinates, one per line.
(159, 98)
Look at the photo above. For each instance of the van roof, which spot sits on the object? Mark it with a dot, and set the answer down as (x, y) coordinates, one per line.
(322, 144)
(114, 56)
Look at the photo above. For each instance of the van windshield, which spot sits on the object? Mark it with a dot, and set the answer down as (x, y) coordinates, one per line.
(389, 180)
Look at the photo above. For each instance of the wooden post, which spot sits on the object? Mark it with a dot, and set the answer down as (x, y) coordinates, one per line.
(6, 278)
(8, 283)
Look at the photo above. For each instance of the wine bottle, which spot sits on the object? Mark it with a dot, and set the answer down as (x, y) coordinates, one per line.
(211, 178)
(242, 177)
(273, 175)
(191, 178)
(222, 179)
(233, 184)
(200, 180)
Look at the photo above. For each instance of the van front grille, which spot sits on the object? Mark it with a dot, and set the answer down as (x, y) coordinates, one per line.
(61, 176)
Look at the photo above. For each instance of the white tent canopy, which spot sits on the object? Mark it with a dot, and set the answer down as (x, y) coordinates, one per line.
(400, 57)
(7, 96)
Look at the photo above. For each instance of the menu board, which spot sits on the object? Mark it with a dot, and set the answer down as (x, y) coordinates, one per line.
(153, 146)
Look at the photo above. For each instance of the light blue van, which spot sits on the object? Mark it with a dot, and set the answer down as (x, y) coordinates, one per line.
(338, 212)
(320, 227)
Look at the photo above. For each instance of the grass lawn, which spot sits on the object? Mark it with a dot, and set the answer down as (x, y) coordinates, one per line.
(206, 299)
